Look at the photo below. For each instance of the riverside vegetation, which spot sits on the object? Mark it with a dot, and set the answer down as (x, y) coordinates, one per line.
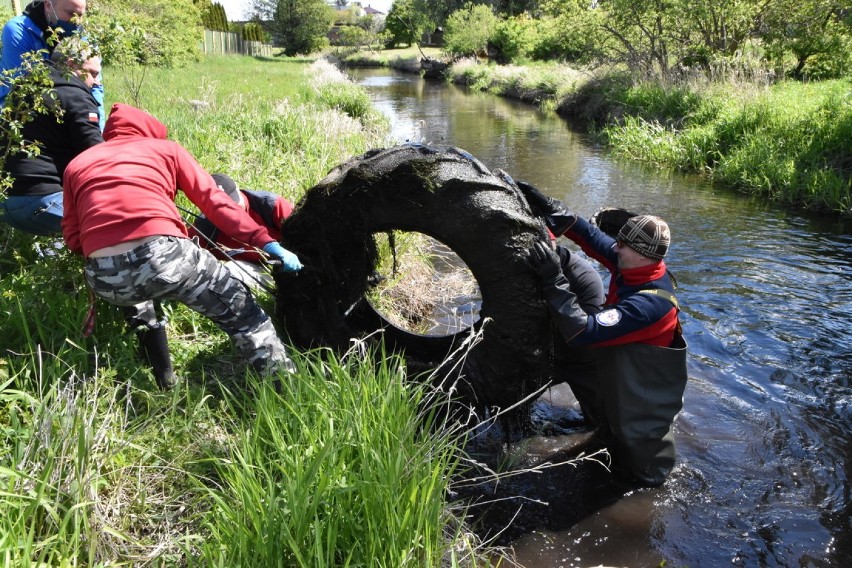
(347, 465)
(785, 141)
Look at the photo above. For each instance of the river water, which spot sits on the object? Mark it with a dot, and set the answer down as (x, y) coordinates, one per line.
(764, 449)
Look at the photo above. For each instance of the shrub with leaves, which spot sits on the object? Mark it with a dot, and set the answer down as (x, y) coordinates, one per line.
(29, 87)
(468, 30)
(162, 33)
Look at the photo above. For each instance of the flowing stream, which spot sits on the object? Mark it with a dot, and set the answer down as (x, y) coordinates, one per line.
(764, 449)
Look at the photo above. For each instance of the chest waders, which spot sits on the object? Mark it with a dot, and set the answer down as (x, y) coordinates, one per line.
(639, 391)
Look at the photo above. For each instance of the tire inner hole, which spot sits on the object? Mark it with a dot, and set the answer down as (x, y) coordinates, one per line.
(422, 286)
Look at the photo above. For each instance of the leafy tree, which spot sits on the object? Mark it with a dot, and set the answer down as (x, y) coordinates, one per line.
(351, 36)
(213, 16)
(512, 8)
(253, 31)
(706, 32)
(513, 38)
(299, 26)
(641, 33)
(372, 27)
(817, 33)
(468, 30)
(570, 30)
(436, 12)
(404, 24)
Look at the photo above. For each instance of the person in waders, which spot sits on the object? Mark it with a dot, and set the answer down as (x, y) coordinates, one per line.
(636, 345)
(120, 214)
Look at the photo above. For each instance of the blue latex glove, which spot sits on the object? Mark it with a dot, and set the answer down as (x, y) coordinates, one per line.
(289, 261)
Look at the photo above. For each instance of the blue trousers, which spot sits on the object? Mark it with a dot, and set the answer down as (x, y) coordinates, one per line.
(36, 214)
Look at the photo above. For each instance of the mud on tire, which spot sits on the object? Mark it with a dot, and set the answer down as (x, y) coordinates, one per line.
(447, 194)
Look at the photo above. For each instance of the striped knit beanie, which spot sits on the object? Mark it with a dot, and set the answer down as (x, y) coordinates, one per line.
(647, 235)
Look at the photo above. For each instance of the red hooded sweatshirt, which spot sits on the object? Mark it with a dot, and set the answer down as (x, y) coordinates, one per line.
(124, 189)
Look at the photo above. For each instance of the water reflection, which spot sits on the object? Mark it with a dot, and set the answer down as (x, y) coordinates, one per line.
(764, 436)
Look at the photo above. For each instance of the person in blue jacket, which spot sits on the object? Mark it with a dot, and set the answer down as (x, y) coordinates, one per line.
(32, 31)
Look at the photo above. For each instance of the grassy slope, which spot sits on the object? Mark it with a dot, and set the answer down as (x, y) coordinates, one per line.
(97, 467)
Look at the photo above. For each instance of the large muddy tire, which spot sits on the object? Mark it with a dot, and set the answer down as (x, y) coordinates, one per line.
(444, 193)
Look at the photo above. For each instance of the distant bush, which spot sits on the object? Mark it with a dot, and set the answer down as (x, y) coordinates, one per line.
(514, 39)
(162, 33)
(468, 30)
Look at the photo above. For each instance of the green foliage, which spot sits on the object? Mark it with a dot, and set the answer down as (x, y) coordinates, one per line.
(436, 12)
(671, 39)
(343, 468)
(468, 30)
(512, 8)
(253, 31)
(301, 26)
(404, 24)
(789, 144)
(364, 31)
(668, 40)
(816, 34)
(6, 13)
(514, 38)
(351, 36)
(573, 35)
(164, 33)
(669, 106)
(30, 87)
(213, 16)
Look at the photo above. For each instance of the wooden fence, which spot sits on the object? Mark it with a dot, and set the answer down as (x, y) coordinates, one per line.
(225, 42)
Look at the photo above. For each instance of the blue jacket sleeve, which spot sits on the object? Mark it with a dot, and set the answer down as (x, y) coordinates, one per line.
(20, 35)
(98, 94)
(594, 242)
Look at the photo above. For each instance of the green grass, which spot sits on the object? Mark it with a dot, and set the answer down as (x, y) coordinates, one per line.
(354, 435)
(344, 466)
(265, 123)
(788, 142)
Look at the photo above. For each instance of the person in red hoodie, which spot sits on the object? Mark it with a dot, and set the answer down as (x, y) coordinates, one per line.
(120, 214)
(639, 354)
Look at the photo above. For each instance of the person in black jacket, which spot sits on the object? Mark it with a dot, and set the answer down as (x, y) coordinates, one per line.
(34, 202)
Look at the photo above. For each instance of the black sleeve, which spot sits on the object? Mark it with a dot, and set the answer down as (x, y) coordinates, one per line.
(81, 119)
(569, 316)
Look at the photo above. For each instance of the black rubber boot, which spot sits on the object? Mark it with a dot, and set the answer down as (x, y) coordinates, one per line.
(154, 348)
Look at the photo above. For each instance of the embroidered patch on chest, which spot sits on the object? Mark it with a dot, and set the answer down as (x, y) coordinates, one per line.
(608, 318)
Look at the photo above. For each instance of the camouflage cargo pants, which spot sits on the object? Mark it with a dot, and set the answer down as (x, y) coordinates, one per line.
(177, 269)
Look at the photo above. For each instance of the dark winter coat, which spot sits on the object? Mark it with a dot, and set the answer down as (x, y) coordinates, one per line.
(60, 139)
